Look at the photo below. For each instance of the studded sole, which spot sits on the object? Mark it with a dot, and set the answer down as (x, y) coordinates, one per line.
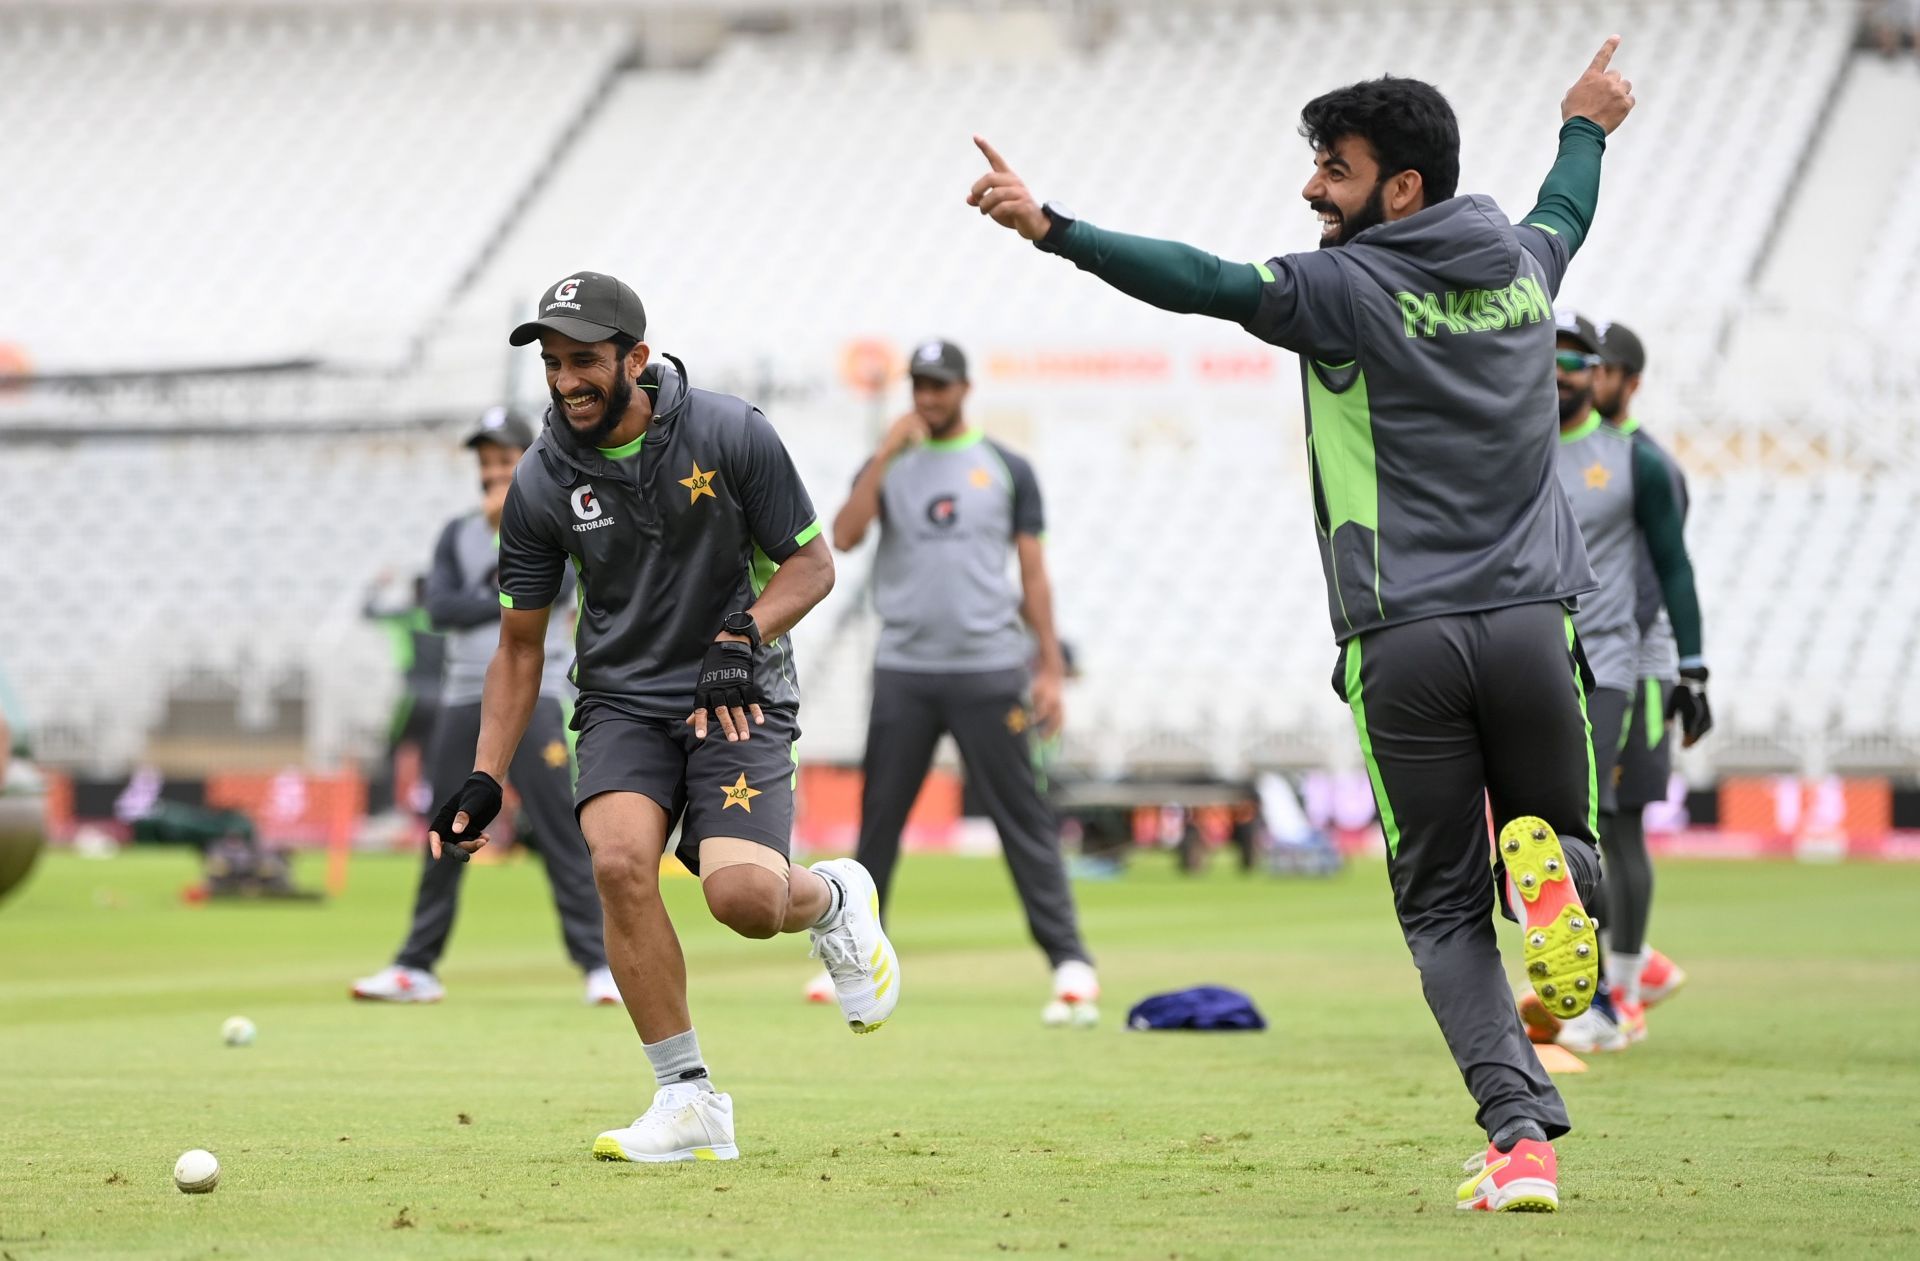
(1559, 940)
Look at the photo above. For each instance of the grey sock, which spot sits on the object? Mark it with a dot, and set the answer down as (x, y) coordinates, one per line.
(1512, 1132)
(677, 1059)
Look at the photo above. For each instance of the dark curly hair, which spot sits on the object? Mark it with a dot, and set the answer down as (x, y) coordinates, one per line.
(1409, 124)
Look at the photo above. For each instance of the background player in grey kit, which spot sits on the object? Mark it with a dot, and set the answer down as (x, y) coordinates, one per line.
(1423, 329)
(954, 649)
(462, 598)
(1646, 759)
(698, 551)
(1623, 497)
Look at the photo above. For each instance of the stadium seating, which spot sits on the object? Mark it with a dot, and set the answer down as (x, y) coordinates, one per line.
(252, 185)
(220, 187)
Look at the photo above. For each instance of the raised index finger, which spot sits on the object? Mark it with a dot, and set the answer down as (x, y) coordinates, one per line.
(1602, 58)
(992, 154)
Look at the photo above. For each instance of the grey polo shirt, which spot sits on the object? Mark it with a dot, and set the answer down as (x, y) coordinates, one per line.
(949, 514)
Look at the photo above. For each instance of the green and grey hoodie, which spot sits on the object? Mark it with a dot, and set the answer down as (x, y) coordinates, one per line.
(669, 534)
(1425, 348)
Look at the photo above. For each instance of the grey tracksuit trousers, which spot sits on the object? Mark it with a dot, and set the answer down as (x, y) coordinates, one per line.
(542, 774)
(1455, 712)
(988, 715)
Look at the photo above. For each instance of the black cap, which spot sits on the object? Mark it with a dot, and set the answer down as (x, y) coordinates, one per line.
(1621, 345)
(502, 426)
(1579, 327)
(937, 361)
(587, 307)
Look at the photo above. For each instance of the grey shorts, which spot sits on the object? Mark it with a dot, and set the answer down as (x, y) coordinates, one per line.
(710, 787)
(1646, 759)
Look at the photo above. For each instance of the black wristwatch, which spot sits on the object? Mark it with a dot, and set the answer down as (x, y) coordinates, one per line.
(743, 624)
(1059, 220)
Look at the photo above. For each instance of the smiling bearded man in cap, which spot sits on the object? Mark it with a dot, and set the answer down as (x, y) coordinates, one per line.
(697, 551)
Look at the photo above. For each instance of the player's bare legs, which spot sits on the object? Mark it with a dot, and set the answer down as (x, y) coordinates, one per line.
(751, 890)
(627, 833)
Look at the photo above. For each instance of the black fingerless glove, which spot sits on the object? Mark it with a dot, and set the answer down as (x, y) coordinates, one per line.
(479, 797)
(726, 678)
(1689, 703)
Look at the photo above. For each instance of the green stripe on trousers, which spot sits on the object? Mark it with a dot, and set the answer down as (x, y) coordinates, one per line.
(1388, 824)
(1593, 775)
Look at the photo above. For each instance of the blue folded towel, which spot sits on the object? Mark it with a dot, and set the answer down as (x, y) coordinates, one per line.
(1203, 1007)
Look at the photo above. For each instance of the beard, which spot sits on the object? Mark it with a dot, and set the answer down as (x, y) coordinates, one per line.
(611, 414)
(945, 426)
(1575, 404)
(1370, 215)
(1608, 406)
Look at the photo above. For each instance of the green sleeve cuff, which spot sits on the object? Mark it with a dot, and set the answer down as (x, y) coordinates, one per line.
(506, 601)
(807, 535)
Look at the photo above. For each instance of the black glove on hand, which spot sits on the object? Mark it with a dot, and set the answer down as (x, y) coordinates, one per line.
(1689, 703)
(479, 798)
(726, 678)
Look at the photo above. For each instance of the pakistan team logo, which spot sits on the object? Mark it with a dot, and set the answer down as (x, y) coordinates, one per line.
(738, 794)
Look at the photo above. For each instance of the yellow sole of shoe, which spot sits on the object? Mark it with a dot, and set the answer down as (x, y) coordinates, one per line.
(1562, 955)
(607, 1149)
(1530, 1204)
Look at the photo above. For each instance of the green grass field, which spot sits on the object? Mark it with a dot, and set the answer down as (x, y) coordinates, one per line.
(1772, 1113)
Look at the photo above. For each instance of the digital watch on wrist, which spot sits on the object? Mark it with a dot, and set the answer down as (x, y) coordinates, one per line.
(743, 624)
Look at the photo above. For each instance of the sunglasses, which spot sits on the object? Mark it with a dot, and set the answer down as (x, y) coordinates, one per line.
(1574, 361)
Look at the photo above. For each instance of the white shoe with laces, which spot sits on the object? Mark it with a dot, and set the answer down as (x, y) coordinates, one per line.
(686, 1122)
(855, 950)
(601, 990)
(395, 984)
(1076, 987)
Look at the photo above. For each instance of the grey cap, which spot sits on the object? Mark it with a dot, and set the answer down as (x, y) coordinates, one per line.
(937, 360)
(1621, 345)
(1579, 327)
(588, 307)
(502, 426)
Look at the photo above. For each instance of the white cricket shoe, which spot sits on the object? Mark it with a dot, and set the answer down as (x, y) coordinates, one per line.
(686, 1122)
(395, 984)
(820, 988)
(1590, 1032)
(856, 952)
(601, 991)
(1076, 988)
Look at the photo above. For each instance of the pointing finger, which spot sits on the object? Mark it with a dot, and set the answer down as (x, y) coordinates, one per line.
(992, 154)
(1605, 55)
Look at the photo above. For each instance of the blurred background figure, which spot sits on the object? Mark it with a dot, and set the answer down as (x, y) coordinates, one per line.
(1896, 27)
(419, 660)
(964, 650)
(462, 600)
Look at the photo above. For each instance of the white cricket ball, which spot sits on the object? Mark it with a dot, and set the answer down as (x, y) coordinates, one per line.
(196, 1172)
(238, 1031)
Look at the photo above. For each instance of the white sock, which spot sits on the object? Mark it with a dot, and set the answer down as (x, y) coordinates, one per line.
(1623, 975)
(836, 900)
